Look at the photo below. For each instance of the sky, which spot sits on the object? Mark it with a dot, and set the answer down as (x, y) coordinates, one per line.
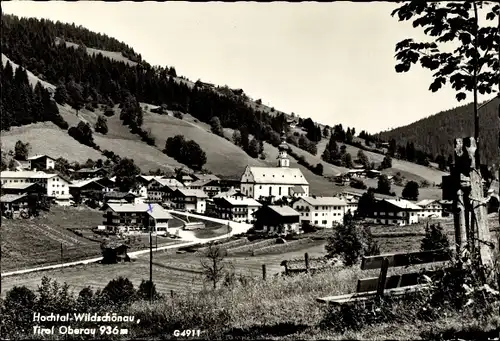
(333, 62)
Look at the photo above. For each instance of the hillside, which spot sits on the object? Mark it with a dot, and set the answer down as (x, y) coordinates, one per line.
(110, 74)
(435, 134)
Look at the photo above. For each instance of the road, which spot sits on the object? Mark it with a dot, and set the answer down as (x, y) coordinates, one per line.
(236, 228)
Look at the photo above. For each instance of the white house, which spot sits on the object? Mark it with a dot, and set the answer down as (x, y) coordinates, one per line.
(126, 217)
(321, 211)
(430, 209)
(238, 209)
(56, 185)
(190, 200)
(395, 212)
(274, 182)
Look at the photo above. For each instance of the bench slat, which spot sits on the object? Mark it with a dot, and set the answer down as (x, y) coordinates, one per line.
(405, 259)
(359, 297)
(395, 281)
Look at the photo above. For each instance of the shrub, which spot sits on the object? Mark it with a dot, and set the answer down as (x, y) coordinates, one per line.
(357, 183)
(435, 238)
(147, 289)
(119, 291)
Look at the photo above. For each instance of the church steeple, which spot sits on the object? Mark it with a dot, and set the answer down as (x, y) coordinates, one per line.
(283, 160)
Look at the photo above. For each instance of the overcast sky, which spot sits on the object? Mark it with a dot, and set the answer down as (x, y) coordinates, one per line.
(333, 62)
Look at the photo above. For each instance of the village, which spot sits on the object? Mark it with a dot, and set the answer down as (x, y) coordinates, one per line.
(279, 196)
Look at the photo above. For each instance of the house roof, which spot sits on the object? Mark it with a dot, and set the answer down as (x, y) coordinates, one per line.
(148, 178)
(118, 195)
(198, 193)
(18, 185)
(11, 197)
(324, 201)
(30, 175)
(404, 204)
(201, 176)
(425, 202)
(39, 156)
(284, 211)
(278, 175)
(88, 170)
(82, 183)
(298, 189)
(155, 210)
(231, 192)
(169, 182)
(242, 202)
(187, 177)
(200, 183)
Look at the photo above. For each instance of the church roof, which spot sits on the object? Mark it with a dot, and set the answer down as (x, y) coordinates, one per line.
(278, 175)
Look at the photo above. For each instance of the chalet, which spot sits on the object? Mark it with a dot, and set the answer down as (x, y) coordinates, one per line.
(158, 190)
(430, 209)
(120, 198)
(106, 183)
(23, 188)
(395, 212)
(127, 217)
(41, 162)
(143, 181)
(189, 200)
(321, 211)
(211, 187)
(186, 179)
(227, 184)
(277, 219)
(56, 185)
(87, 189)
(237, 209)
(447, 206)
(203, 176)
(86, 173)
(355, 173)
(14, 205)
(231, 193)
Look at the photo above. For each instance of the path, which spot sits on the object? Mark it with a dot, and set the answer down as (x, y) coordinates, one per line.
(191, 240)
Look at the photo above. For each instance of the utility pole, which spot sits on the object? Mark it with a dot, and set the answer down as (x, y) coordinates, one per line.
(150, 264)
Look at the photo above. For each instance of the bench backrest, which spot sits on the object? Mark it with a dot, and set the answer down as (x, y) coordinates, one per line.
(383, 262)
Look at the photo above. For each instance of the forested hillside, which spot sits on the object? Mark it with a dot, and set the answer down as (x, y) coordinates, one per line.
(435, 133)
(83, 79)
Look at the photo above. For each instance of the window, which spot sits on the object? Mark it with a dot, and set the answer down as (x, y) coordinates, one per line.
(279, 190)
(270, 190)
(315, 222)
(62, 192)
(315, 214)
(324, 222)
(260, 187)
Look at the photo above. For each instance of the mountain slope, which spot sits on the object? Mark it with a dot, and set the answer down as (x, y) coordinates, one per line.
(435, 134)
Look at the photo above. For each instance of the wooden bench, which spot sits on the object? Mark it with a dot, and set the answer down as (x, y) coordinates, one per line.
(396, 285)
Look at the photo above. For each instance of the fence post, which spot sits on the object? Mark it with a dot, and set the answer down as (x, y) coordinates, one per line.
(479, 223)
(459, 200)
(382, 278)
(264, 272)
(62, 259)
(306, 259)
(171, 293)
(285, 264)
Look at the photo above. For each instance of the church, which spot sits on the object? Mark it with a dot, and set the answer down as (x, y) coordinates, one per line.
(275, 182)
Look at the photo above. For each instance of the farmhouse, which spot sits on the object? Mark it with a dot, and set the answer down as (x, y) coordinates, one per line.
(160, 189)
(190, 200)
(202, 176)
(41, 162)
(372, 173)
(56, 186)
(321, 211)
(14, 205)
(186, 179)
(87, 189)
(430, 209)
(395, 212)
(238, 209)
(231, 193)
(355, 173)
(277, 219)
(86, 173)
(211, 187)
(23, 188)
(141, 216)
(143, 181)
(274, 182)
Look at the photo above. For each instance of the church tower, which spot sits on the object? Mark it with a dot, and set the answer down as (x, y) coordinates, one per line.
(283, 160)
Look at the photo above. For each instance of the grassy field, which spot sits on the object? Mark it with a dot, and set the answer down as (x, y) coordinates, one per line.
(37, 242)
